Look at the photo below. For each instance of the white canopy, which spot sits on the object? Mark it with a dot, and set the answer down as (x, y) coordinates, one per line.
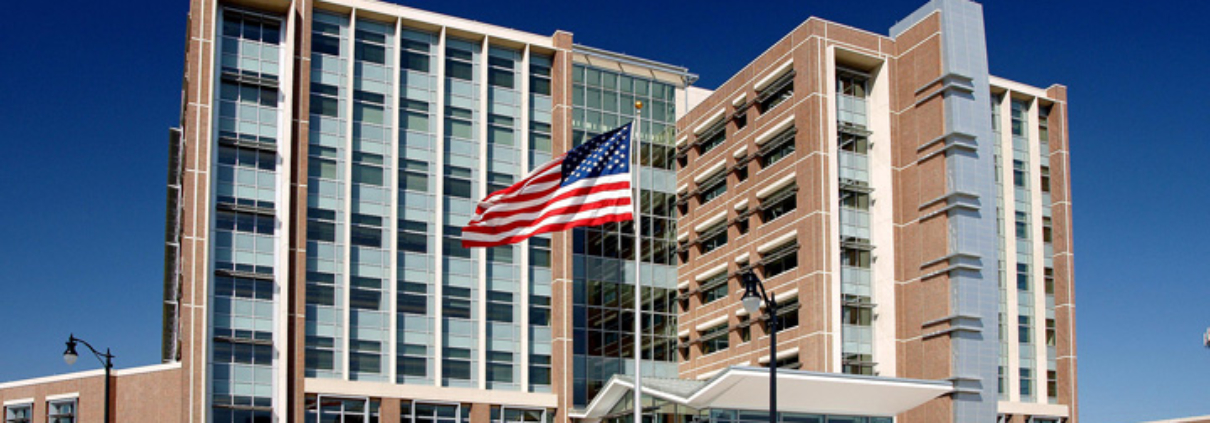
(747, 388)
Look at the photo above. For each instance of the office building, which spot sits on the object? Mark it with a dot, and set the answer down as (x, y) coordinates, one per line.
(909, 211)
(330, 151)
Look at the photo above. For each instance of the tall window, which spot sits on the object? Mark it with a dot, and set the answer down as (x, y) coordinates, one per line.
(1019, 110)
(1027, 382)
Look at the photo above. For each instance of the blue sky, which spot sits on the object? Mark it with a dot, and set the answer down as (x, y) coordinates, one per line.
(89, 90)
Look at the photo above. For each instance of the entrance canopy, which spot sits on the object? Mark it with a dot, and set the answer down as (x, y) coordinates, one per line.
(747, 388)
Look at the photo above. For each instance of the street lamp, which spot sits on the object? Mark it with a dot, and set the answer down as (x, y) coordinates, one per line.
(754, 295)
(70, 356)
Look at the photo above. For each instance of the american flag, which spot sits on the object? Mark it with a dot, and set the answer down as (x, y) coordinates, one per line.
(590, 185)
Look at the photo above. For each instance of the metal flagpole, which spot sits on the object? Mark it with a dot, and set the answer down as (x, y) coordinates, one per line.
(637, 172)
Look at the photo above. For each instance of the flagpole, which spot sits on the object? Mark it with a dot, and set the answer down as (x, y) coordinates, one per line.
(636, 149)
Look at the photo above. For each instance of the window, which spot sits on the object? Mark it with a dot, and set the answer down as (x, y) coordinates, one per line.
(324, 101)
(1019, 174)
(457, 363)
(851, 84)
(365, 293)
(457, 303)
(854, 143)
(413, 237)
(715, 339)
(858, 364)
(779, 204)
(1052, 384)
(539, 137)
(458, 182)
(61, 411)
(1018, 116)
(1024, 330)
(713, 187)
(1022, 277)
(500, 130)
(439, 413)
(1051, 334)
(331, 409)
(1022, 225)
(237, 287)
(415, 55)
(539, 252)
(1047, 230)
(857, 315)
(712, 137)
(855, 200)
(850, 257)
(714, 288)
(500, 72)
(1000, 381)
(415, 115)
(413, 361)
(1049, 276)
(780, 147)
(741, 221)
(367, 169)
(714, 237)
(325, 38)
(459, 63)
(498, 181)
(22, 413)
(539, 75)
(499, 367)
(1027, 383)
(776, 92)
(460, 122)
(789, 362)
(321, 289)
(539, 369)
(539, 310)
(412, 298)
(366, 231)
(1045, 179)
(414, 175)
(780, 260)
(787, 314)
(499, 306)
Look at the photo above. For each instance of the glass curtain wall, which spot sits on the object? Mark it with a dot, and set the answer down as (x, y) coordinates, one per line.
(604, 256)
(244, 231)
(856, 276)
(1025, 281)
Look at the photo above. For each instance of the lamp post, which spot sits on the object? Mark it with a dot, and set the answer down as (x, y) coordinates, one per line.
(754, 295)
(70, 357)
